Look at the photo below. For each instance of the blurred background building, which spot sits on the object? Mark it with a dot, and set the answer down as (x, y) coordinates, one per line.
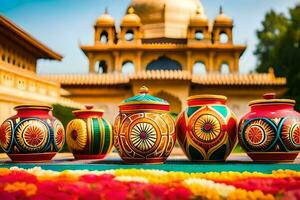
(171, 47)
(19, 83)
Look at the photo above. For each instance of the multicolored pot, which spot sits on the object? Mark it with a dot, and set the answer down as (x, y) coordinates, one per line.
(271, 130)
(207, 129)
(89, 136)
(32, 135)
(144, 131)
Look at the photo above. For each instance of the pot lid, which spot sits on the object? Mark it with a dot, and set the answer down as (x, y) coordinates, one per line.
(145, 101)
(270, 98)
(89, 110)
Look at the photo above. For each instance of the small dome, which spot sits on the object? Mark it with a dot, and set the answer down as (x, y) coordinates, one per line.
(222, 18)
(105, 20)
(165, 18)
(131, 19)
(199, 19)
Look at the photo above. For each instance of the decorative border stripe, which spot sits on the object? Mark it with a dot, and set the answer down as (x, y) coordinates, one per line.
(96, 136)
(107, 136)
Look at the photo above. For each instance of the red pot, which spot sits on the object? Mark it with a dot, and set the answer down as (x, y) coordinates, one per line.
(89, 135)
(271, 130)
(32, 135)
(207, 129)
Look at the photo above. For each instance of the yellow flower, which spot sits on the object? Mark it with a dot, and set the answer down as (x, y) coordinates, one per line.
(28, 188)
(240, 194)
(204, 193)
(131, 179)
(222, 189)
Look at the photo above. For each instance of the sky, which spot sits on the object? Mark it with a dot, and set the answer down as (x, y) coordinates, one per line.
(65, 24)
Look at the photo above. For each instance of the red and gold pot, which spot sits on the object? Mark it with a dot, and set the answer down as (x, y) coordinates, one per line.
(207, 129)
(32, 135)
(271, 130)
(144, 131)
(89, 136)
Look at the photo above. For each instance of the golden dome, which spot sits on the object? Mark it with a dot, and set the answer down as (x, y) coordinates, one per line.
(222, 18)
(131, 19)
(199, 19)
(105, 20)
(166, 18)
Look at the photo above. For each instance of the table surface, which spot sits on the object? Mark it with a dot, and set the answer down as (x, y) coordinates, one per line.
(176, 162)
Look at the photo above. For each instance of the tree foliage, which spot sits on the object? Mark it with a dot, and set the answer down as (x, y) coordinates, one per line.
(64, 114)
(279, 47)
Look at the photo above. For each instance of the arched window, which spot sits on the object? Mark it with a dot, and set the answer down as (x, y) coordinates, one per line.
(223, 37)
(104, 37)
(128, 67)
(225, 68)
(101, 67)
(199, 68)
(129, 35)
(164, 63)
(199, 35)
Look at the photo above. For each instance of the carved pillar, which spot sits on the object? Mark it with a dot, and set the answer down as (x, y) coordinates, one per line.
(138, 62)
(236, 62)
(118, 67)
(189, 64)
(211, 63)
(91, 64)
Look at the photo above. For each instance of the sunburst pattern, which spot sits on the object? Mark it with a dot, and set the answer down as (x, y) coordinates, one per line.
(207, 128)
(259, 135)
(143, 136)
(59, 134)
(6, 135)
(32, 135)
(295, 135)
(290, 134)
(76, 136)
(256, 135)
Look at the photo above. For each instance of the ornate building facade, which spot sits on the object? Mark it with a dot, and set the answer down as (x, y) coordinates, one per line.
(19, 83)
(173, 48)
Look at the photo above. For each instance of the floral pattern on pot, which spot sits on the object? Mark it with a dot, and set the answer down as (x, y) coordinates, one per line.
(270, 132)
(145, 137)
(6, 131)
(206, 130)
(270, 135)
(144, 131)
(33, 134)
(89, 136)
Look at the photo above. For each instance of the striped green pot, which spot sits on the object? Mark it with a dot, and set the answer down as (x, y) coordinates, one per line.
(89, 136)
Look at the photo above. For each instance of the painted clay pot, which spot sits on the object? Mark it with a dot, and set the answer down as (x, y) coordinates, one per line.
(89, 136)
(207, 129)
(271, 130)
(32, 135)
(144, 131)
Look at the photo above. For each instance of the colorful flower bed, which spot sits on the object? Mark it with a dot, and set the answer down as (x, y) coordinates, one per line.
(35, 183)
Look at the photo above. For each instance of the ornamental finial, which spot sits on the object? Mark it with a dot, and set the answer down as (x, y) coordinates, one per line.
(106, 10)
(221, 10)
(144, 90)
(89, 107)
(130, 10)
(199, 10)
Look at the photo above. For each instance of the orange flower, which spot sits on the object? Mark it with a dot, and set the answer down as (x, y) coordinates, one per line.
(4, 171)
(28, 188)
